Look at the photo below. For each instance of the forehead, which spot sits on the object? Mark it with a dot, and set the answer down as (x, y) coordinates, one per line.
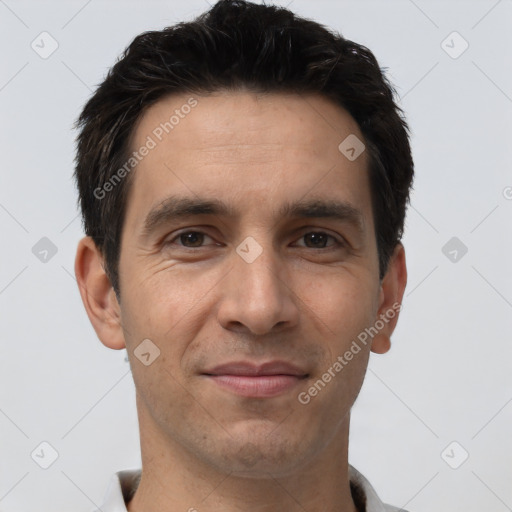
(225, 119)
(248, 148)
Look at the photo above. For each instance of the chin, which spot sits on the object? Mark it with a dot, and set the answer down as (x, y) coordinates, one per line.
(260, 452)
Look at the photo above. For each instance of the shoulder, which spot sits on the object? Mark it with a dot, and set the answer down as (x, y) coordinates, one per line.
(365, 496)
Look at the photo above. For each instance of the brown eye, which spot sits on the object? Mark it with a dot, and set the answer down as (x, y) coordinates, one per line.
(319, 240)
(193, 237)
(189, 239)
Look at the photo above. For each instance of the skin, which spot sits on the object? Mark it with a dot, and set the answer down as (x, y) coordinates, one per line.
(202, 446)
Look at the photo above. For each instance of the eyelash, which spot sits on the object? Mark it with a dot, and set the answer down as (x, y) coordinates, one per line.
(338, 243)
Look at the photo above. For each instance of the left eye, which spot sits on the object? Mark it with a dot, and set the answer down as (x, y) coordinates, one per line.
(318, 239)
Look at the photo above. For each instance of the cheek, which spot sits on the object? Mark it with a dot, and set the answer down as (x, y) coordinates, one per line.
(166, 306)
(340, 309)
(155, 299)
(160, 309)
(340, 306)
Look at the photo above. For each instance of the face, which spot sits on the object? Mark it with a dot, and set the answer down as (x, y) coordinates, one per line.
(253, 296)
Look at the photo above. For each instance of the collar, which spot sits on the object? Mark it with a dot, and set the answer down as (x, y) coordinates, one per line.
(123, 485)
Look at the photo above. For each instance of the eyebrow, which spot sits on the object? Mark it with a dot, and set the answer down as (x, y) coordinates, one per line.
(175, 208)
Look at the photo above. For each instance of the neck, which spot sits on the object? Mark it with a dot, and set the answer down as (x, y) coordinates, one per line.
(173, 479)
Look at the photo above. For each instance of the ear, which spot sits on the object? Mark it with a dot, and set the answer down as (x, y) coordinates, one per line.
(391, 292)
(98, 295)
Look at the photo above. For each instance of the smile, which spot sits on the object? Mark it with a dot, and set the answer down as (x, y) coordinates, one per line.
(250, 380)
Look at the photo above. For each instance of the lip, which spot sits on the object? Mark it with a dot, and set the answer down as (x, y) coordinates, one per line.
(265, 380)
(249, 369)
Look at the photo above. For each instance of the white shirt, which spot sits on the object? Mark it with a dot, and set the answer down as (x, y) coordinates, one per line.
(124, 484)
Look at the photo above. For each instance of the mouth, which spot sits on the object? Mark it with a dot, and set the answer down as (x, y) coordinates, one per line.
(257, 381)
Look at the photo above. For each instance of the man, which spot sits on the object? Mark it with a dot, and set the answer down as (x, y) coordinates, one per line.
(243, 180)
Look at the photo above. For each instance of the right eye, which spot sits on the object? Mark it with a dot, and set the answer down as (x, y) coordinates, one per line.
(185, 237)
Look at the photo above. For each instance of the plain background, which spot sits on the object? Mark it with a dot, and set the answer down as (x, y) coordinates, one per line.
(447, 378)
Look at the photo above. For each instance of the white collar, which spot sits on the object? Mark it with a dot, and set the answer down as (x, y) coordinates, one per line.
(123, 484)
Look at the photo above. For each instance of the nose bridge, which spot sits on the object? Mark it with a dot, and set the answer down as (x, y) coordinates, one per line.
(257, 267)
(256, 294)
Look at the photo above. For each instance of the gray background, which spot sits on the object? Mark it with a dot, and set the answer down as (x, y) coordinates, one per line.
(447, 377)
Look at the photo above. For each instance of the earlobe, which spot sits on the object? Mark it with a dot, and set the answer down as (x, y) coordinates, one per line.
(381, 344)
(97, 294)
(391, 294)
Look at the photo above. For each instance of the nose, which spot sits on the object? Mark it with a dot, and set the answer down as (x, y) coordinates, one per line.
(258, 294)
